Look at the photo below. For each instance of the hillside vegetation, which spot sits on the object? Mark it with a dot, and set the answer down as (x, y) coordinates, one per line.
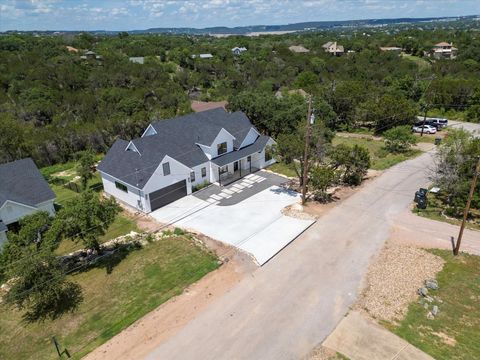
(54, 103)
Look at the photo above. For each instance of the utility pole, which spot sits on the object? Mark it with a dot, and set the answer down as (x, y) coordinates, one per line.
(424, 118)
(467, 207)
(305, 154)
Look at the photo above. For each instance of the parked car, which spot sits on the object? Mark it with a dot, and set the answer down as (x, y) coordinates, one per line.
(427, 129)
(439, 123)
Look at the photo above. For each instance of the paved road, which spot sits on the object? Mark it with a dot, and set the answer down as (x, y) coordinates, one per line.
(295, 301)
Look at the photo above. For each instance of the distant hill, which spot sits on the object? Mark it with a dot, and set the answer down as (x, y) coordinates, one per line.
(303, 26)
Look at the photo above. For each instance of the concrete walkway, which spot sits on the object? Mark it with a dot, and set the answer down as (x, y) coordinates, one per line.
(361, 339)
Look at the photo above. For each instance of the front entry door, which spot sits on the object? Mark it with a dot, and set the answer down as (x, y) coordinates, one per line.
(235, 166)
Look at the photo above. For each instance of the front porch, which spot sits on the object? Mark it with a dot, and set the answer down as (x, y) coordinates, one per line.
(228, 177)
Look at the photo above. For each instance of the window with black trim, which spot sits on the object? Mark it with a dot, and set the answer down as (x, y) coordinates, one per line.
(122, 187)
(222, 148)
(204, 172)
(192, 176)
(166, 169)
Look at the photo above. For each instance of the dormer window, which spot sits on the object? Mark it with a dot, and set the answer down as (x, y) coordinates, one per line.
(166, 169)
(221, 148)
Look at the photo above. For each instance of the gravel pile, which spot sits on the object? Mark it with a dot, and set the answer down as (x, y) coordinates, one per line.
(394, 278)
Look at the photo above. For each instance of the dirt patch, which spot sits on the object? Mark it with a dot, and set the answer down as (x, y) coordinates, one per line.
(338, 194)
(138, 340)
(323, 353)
(445, 338)
(393, 280)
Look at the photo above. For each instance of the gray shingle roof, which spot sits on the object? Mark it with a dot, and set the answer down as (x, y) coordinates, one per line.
(230, 157)
(3, 227)
(20, 181)
(177, 138)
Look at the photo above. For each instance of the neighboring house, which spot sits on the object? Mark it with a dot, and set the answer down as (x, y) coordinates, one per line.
(333, 48)
(392, 49)
(298, 49)
(203, 56)
(238, 50)
(443, 50)
(175, 155)
(137, 59)
(91, 55)
(23, 191)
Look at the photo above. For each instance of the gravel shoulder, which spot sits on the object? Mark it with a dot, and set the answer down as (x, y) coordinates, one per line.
(393, 279)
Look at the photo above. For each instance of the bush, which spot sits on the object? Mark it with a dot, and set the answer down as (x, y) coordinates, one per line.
(200, 186)
(399, 139)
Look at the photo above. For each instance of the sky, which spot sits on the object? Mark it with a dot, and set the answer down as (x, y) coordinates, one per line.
(144, 14)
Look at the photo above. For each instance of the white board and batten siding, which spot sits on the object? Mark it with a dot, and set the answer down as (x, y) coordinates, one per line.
(212, 150)
(12, 211)
(133, 197)
(198, 174)
(250, 138)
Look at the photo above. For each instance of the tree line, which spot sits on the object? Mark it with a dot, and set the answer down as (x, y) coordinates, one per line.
(54, 103)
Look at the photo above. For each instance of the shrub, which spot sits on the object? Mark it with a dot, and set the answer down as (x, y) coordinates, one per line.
(399, 139)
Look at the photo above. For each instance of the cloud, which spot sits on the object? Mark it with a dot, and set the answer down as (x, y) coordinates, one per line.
(142, 14)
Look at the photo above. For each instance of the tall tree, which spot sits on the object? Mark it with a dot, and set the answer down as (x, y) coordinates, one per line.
(85, 167)
(87, 218)
(40, 287)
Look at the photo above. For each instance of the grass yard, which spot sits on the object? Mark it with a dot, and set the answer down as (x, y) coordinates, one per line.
(434, 210)
(283, 169)
(138, 284)
(122, 225)
(381, 159)
(454, 334)
(421, 63)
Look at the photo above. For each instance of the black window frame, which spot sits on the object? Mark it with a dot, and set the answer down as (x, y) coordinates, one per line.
(220, 147)
(192, 176)
(204, 172)
(166, 168)
(121, 187)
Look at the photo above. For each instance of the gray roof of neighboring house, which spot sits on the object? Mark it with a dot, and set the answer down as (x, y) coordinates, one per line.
(137, 59)
(230, 157)
(177, 138)
(20, 181)
(3, 227)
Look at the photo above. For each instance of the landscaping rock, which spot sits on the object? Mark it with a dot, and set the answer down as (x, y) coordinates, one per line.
(425, 306)
(435, 310)
(431, 284)
(423, 291)
(430, 316)
(429, 299)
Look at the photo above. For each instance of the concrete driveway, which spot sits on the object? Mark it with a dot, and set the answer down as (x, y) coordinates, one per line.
(255, 224)
(291, 304)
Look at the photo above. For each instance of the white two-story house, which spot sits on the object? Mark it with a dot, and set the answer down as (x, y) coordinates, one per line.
(175, 156)
(23, 191)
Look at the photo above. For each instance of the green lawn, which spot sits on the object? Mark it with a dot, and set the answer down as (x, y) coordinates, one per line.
(422, 63)
(121, 225)
(381, 159)
(138, 284)
(454, 334)
(64, 194)
(434, 210)
(283, 169)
